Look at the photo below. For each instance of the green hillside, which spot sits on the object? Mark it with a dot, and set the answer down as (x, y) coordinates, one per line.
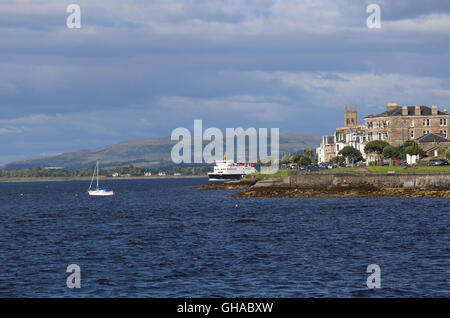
(142, 153)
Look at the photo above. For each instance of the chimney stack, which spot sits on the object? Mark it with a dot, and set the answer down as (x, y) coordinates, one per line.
(434, 110)
(391, 106)
(404, 110)
(417, 111)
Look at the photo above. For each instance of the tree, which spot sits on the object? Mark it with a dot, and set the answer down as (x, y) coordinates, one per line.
(294, 158)
(415, 150)
(308, 153)
(391, 152)
(410, 143)
(442, 151)
(339, 160)
(351, 154)
(265, 162)
(375, 146)
(285, 159)
(301, 160)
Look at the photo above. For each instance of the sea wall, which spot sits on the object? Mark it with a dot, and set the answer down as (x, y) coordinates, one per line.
(379, 181)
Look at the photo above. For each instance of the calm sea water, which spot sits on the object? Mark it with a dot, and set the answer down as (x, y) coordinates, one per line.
(161, 238)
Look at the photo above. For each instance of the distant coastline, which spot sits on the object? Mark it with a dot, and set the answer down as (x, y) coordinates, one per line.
(54, 179)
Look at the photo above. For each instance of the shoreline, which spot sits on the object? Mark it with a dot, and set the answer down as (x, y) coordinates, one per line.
(59, 179)
(361, 192)
(274, 189)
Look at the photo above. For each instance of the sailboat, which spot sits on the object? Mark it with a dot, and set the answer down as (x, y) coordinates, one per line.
(99, 191)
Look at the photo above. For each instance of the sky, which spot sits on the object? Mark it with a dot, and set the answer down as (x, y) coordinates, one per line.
(139, 69)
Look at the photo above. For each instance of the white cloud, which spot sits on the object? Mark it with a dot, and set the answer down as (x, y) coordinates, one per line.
(333, 89)
(12, 130)
(441, 92)
(32, 119)
(431, 23)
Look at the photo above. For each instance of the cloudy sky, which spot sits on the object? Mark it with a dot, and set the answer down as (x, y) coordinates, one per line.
(140, 68)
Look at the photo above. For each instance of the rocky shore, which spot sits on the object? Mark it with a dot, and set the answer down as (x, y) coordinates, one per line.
(271, 189)
(292, 192)
(230, 185)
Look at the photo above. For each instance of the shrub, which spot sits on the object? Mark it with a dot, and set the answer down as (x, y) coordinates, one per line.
(375, 146)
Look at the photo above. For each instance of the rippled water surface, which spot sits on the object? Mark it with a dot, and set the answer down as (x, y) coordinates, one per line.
(161, 238)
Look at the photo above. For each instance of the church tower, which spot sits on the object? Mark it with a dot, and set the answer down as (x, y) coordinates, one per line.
(350, 117)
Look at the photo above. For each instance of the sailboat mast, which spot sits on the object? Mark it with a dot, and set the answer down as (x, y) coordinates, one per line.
(97, 176)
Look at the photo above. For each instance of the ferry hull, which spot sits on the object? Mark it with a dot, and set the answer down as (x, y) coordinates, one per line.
(223, 177)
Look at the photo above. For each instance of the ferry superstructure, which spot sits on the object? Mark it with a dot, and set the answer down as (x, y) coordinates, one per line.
(229, 170)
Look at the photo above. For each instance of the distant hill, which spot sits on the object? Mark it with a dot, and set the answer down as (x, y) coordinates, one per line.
(153, 153)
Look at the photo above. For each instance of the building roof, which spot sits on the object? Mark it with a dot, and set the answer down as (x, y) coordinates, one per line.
(432, 149)
(432, 138)
(397, 111)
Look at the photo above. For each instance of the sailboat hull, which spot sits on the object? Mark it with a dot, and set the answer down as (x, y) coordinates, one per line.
(100, 193)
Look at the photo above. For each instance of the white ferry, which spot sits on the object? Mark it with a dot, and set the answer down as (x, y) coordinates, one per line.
(228, 170)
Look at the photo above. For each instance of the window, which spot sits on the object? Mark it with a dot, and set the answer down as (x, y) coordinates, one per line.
(412, 123)
(412, 134)
(444, 133)
(443, 122)
(426, 122)
(425, 132)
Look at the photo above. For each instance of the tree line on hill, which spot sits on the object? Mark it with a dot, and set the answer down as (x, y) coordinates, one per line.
(121, 171)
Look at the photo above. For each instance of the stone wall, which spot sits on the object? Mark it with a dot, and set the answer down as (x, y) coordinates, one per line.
(380, 181)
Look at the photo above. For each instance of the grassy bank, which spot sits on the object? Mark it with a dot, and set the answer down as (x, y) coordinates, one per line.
(278, 175)
(418, 169)
(283, 173)
(354, 170)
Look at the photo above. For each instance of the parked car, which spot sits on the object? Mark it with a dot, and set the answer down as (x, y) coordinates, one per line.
(438, 162)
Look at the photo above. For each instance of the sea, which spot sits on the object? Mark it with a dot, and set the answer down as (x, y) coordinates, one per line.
(164, 238)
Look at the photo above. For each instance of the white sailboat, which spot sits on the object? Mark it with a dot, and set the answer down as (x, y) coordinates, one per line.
(99, 191)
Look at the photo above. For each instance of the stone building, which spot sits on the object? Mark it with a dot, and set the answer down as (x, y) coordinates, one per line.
(396, 125)
(433, 143)
(401, 123)
(327, 149)
(351, 134)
